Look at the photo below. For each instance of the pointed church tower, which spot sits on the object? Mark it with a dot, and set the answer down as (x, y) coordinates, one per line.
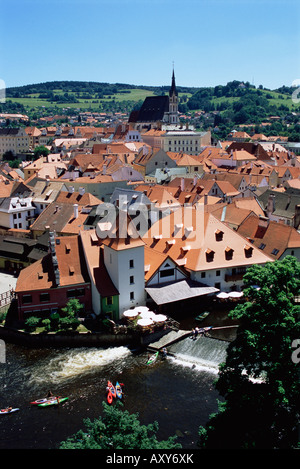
(173, 102)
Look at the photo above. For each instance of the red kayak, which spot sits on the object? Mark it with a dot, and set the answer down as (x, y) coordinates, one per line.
(111, 392)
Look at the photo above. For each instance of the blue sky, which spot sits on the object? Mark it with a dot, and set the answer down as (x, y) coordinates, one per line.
(210, 42)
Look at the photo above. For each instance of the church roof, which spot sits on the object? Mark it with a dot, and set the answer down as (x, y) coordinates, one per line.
(153, 109)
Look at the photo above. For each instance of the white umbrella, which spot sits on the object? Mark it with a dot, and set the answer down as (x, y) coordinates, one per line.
(147, 315)
(141, 309)
(145, 322)
(159, 318)
(222, 295)
(130, 313)
(235, 294)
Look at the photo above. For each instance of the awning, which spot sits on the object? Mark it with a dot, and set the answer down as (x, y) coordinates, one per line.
(182, 290)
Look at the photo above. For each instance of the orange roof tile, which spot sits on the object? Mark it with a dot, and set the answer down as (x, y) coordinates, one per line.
(191, 248)
(39, 275)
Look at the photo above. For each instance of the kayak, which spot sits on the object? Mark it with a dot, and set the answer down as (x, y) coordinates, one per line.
(54, 401)
(202, 316)
(5, 411)
(119, 390)
(109, 397)
(111, 388)
(152, 358)
(43, 400)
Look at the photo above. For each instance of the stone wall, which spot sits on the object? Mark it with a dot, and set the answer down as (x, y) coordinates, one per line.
(72, 339)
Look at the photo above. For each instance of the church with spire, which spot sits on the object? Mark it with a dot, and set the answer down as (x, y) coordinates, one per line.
(157, 110)
(159, 125)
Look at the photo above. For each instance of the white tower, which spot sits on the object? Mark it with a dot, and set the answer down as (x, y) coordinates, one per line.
(124, 261)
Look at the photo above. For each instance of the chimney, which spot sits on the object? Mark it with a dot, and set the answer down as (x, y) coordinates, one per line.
(81, 190)
(75, 210)
(182, 184)
(271, 204)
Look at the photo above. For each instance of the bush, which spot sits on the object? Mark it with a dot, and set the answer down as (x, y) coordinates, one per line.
(31, 323)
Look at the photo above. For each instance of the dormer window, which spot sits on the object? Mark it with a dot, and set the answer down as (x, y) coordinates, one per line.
(219, 235)
(228, 253)
(209, 255)
(248, 251)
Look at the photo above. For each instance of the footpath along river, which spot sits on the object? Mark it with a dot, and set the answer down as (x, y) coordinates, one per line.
(178, 394)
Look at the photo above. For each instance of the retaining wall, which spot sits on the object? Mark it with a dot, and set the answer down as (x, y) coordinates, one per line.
(72, 339)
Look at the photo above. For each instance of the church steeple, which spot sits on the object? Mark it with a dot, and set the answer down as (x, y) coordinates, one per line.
(173, 89)
(173, 102)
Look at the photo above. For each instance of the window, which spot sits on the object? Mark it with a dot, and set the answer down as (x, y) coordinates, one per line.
(166, 273)
(44, 297)
(218, 273)
(219, 235)
(275, 252)
(203, 274)
(75, 293)
(109, 300)
(131, 280)
(131, 264)
(26, 299)
(132, 295)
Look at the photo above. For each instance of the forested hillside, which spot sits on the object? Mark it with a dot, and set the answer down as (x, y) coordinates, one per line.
(233, 104)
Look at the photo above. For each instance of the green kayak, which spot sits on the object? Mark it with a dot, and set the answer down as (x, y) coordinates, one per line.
(152, 359)
(53, 402)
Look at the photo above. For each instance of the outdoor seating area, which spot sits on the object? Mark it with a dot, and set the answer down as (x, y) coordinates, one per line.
(144, 319)
(231, 296)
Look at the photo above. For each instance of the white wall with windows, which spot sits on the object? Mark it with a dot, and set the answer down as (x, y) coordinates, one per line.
(127, 272)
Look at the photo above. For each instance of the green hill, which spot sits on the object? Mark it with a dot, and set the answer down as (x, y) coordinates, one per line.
(233, 104)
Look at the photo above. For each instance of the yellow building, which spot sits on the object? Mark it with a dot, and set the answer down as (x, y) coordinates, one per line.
(14, 140)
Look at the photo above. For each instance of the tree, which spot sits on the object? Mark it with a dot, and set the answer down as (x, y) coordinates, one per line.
(117, 429)
(40, 151)
(259, 380)
(71, 314)
(72, 308)
(31, 323)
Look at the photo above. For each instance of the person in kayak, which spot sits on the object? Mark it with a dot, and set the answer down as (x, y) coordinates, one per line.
(8, 409)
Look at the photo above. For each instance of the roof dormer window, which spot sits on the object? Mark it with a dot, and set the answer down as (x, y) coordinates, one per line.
(209, 255)
(219, 235)
(248, 251)
(228, 253)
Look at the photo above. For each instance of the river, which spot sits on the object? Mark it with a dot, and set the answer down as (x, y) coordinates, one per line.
(177, 392)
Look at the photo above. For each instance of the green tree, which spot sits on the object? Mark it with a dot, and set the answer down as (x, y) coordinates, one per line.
(117, 429)
(40, 151)
(71, 313)
(259, 380)
(72, 308)
(31, 323)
